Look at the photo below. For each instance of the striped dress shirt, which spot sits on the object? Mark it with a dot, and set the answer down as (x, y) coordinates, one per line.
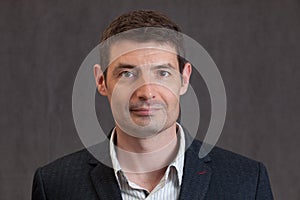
(169, 185)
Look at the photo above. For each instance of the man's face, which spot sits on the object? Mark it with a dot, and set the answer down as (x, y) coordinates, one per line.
(143, 85)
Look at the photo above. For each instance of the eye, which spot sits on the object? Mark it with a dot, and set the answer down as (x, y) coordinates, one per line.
(126, 74)
(164, 73)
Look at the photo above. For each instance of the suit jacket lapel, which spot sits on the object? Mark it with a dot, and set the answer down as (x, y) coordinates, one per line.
(196, 174)
(195, 182)
(102, 176)
(105, 183)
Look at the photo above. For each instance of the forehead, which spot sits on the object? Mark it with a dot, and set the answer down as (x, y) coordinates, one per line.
(142, 53)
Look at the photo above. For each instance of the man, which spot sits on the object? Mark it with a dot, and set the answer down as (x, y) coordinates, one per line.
(150, 154)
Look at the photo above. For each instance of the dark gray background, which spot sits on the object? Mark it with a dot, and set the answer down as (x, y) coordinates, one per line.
(255, 44)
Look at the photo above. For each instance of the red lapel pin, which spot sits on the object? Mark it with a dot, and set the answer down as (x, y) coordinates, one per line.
(202, 172)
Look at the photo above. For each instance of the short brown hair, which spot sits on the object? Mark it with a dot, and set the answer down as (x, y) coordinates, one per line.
(135, 21)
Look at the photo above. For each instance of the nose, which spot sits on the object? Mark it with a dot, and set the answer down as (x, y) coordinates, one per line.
(145, 92)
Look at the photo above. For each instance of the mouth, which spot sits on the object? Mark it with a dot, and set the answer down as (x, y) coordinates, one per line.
(145, 111)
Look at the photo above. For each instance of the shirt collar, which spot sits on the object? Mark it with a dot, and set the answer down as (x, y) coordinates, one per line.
(177, 163)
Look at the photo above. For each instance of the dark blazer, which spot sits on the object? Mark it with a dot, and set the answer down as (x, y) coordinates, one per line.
(220, 175)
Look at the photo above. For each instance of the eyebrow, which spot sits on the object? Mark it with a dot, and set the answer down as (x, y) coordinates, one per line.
(164, 66)
(121, 66)
(125, 66)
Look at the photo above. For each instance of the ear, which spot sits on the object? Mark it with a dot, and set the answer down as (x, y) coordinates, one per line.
(100, 80)
(186, 74)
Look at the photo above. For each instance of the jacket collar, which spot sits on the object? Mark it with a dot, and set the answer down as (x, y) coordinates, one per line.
(196, 172)
(102, 175)
(105, 183)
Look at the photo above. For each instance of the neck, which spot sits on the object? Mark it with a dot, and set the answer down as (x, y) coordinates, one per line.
(141, 155)
(130, 143)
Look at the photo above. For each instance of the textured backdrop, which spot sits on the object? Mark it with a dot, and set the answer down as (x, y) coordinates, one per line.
(255, 44)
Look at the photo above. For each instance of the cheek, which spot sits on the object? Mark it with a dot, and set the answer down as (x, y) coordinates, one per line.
(116, 90)
(171, 99)
(120, 97)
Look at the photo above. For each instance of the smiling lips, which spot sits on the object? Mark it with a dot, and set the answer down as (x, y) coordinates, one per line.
(145, 110)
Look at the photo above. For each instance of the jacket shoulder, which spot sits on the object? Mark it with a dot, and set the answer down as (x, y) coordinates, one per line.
(232, 162)
(220, 156)
(236, 174)
(73, 161)
(65, 178)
